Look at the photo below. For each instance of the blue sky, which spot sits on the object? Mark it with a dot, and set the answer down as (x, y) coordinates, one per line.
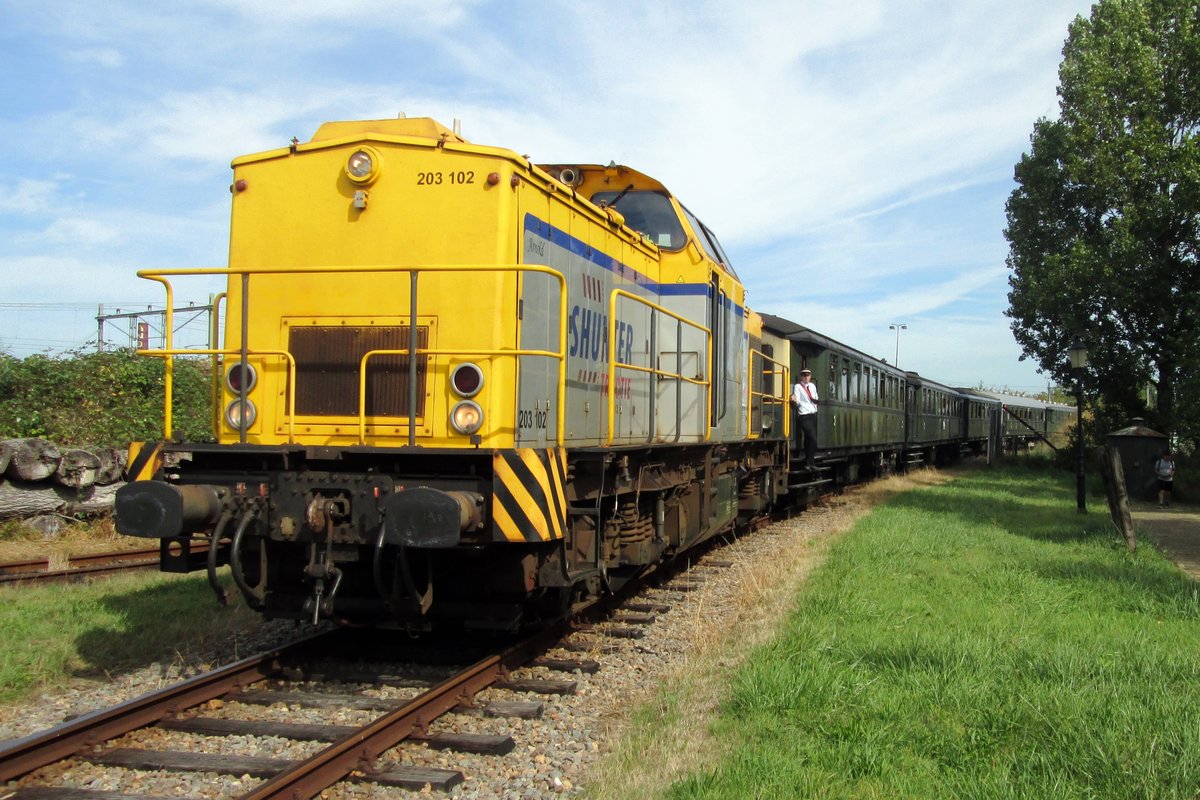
(854, 157)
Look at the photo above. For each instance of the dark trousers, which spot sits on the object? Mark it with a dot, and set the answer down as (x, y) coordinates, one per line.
(807, 424)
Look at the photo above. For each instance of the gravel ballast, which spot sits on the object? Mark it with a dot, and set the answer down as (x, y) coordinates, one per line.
(554, 756)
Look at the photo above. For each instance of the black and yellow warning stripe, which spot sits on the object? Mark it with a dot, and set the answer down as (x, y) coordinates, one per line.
(145, 459)
(529, 500)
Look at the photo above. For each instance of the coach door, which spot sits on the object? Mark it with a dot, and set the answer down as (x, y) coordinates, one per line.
(910, 413)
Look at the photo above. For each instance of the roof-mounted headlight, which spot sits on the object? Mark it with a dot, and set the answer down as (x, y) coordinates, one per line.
(363, 165)
(466, 417)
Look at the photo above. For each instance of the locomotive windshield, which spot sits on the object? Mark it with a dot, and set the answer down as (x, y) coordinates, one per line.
(647, 212)
(708, 240)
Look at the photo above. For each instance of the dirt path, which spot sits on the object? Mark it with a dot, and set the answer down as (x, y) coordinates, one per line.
(1174, 530)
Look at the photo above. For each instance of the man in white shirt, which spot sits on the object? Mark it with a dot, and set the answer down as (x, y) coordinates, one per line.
(1164, 470)
(804, 398)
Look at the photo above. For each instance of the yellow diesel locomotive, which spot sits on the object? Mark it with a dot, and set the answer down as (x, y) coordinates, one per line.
(455, 386)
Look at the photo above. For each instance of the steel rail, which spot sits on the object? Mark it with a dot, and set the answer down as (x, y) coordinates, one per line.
(84, 566)
(78, 561)
(63, 741)
(359, 750)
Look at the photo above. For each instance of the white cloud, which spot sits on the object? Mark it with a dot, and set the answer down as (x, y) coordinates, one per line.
(56, 278)
(356, 15)
(29, 196)
(108, 57)
(822, 139)
(74, 231)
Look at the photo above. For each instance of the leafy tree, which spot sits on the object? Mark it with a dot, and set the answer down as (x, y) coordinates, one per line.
(1104, 225)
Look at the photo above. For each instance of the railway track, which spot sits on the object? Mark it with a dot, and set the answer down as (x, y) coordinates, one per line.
(82, 567)
(301, 683)
(303, 688)
(351, 752)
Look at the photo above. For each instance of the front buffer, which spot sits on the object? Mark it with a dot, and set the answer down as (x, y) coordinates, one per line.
(384, 536)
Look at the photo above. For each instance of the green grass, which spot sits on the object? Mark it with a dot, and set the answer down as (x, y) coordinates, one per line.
(49, 634)
(974, 640)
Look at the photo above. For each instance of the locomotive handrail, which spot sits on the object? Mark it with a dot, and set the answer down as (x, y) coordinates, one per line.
(614, 364)
(782, 371)
(426, 351)
(234, 351)
(214, 338)
(167, 353)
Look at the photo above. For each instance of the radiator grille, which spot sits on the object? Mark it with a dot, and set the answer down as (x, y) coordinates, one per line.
(327, 361)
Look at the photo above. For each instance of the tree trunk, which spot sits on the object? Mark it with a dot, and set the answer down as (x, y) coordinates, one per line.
(1118, 495)
(80, 468)
(1124, 514)
(22, 499)
(112, 464)
(1166, 394)
(32, 459)
(77, 469)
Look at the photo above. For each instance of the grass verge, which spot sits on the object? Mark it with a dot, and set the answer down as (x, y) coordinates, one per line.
(977, 639)
(51, 634)
(19, 542)
(668, 735)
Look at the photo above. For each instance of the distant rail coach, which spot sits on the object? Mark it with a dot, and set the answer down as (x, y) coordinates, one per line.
(459, 388)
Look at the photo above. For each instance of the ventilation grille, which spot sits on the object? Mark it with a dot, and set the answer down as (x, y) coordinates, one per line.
(327, 362)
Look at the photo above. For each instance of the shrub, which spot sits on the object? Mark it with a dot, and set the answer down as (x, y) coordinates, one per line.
(107, 399)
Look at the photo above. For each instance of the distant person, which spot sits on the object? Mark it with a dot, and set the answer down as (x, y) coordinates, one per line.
(1164, 468)
(804, 398)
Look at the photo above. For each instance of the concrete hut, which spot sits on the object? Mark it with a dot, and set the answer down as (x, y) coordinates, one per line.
(1140, 447)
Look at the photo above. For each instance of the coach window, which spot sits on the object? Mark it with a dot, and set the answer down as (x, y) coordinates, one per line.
(846, 381)
(857, 388)
(833, 382)
(875, 387)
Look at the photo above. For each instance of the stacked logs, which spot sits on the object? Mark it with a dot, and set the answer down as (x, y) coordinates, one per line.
(42, 478)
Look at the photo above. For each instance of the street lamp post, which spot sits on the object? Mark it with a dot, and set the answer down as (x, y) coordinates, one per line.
(1079, 360)
(899, 326)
